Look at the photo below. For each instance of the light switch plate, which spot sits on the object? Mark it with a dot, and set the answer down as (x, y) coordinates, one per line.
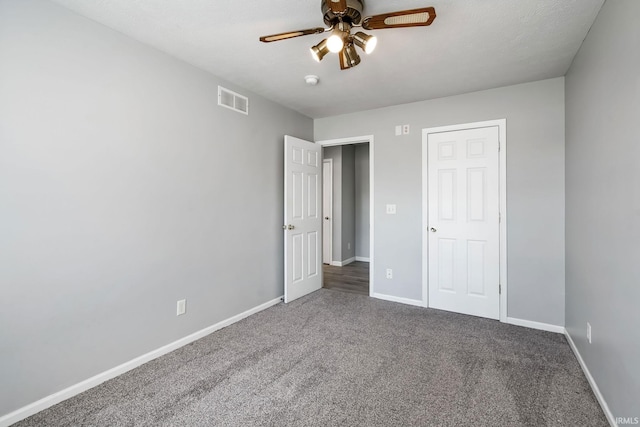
(398, 130)
(391, 209)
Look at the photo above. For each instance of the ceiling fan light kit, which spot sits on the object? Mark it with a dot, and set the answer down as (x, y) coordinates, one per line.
(350, 57)
(341, 16)
(320, 50)
(365, 42)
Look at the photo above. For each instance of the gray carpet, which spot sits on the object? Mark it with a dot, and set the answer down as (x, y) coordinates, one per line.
(340, 359)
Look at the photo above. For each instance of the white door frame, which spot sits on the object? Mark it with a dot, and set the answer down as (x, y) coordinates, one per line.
(502, 147)
(358, 140)
(330, 213)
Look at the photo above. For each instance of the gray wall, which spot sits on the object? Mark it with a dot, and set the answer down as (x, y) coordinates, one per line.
(123, 188)
(362, 200)
(603, 204)
(535, 193)
(348, 202)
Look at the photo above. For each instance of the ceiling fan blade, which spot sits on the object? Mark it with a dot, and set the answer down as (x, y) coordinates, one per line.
(291, 34)
(337, 6)
(403, 18)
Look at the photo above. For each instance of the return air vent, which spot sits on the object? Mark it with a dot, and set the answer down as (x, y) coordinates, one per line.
(234, 101)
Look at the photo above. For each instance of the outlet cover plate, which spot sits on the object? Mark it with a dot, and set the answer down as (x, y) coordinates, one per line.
(182, 307)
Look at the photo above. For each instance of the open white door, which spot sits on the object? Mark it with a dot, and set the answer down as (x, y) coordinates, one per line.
(302, 218)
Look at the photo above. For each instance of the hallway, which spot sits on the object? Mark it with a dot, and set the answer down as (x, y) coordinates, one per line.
(353, 278)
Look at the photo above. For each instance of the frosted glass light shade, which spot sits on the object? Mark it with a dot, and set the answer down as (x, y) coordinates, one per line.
(335, 43)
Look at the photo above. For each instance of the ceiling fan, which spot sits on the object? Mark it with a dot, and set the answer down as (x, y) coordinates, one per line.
(341, 16)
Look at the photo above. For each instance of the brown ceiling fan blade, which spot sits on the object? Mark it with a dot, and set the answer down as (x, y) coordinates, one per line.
(403, 18)
(337, 6)
(290, 35)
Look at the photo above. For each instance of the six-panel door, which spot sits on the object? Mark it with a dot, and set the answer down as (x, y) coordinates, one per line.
(463, 221)
(303, 218)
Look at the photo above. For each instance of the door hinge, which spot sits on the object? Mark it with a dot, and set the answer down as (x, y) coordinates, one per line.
(500, 217)
(498, 145)
(499, 289)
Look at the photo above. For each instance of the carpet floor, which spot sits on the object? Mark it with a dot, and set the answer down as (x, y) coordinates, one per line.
(341, 359)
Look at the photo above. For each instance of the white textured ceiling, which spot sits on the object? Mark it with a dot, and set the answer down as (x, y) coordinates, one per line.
(472, 45)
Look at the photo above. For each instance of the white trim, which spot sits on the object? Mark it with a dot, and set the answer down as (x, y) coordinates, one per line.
(330, 162)
(502, 144)
(346, 141)
(400, 300)
(592, 382)
(362, 259)
(343, 263)
(371, 214)
(361, 140)
(535, 325)
(502, 135)
(46, 402)
(425, 220)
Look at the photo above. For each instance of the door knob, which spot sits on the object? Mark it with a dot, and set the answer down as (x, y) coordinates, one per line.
(326, 217)
(433, 230)
(290, 227)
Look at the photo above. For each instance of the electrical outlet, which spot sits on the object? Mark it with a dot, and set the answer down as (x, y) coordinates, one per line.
(589, 332)
(398, 130)
(406, 129)
(349, 246)
(389, 273)
(391, 209)
(182, 307)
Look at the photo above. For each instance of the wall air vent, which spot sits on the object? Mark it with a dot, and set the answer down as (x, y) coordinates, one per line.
(234, 101)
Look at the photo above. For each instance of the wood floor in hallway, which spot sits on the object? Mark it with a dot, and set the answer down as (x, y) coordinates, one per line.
(352, 278)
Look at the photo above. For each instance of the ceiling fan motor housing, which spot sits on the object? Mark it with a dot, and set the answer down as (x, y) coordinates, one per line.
(353, 14)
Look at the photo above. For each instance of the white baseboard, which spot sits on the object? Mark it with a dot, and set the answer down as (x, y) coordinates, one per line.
(363, 259)
(401, 300)
(343, 263)
(592, 382)
(46, 402)
(535, 325)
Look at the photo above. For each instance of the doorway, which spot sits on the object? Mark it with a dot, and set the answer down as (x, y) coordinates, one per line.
(464, 217)
(347, 214)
